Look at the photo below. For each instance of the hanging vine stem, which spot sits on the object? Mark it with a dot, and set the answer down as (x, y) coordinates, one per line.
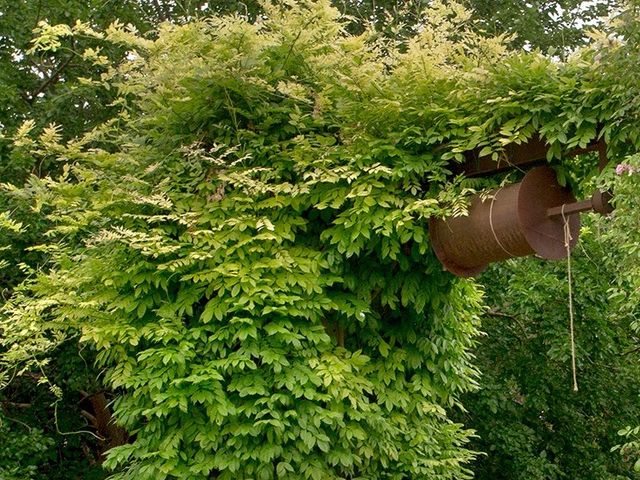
(77, 432)
(567, 244)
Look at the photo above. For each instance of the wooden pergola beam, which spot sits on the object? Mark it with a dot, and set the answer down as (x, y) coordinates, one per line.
(529, 154)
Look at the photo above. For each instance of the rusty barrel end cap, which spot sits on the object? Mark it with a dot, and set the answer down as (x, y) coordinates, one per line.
(601, 202)
(540, 191)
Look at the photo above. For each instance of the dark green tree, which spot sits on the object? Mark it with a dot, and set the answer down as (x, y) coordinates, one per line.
(530, 422)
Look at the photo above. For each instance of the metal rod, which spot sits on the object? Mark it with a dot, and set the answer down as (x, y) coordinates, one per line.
(599, 202)
(570, 208)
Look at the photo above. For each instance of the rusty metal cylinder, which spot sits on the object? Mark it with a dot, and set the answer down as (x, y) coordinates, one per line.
(508, 222)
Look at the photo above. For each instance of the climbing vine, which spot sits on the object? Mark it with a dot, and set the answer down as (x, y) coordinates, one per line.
(245, 243)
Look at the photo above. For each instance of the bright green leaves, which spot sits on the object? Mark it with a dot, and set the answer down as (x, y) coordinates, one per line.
(267, 310)
(250, 252)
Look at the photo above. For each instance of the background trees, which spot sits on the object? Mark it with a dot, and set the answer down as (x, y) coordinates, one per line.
(529, 421)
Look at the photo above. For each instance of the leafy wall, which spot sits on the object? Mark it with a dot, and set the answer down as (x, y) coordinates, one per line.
(245, 244)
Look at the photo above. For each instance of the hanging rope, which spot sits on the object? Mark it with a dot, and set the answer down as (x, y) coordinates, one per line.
(567, 244)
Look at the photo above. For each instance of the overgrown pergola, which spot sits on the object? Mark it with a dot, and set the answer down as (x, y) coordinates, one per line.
(246, 243)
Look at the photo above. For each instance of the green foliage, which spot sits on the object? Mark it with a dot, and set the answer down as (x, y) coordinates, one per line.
(42, 87)
(557, 26)
(245, 241)
(624, 292)
(529, 421)
(21, 450)
(622, 235)
(208, 276)
(41, 431)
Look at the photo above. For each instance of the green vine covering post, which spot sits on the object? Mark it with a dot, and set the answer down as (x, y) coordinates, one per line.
(245, 244)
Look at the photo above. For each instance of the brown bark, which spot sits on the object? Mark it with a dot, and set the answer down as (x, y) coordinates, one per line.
(102, 421)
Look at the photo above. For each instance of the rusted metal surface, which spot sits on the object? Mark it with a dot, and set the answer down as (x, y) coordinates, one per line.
(512, 221)
(601, 202)
(517, 220)
(524, 155)
(514, 155)
(569, 208)
(602, 155)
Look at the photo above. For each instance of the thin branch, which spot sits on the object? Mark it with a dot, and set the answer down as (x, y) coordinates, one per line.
(25, 97)
(77, 432)
(633, 350)
(295, 40)
(496, 313)
(20, 422)
(16, 404)
(33, 64)
(39, 9)
(88, 416)
(54, 76)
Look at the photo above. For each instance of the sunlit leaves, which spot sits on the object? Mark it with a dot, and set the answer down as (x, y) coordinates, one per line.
(248, 247)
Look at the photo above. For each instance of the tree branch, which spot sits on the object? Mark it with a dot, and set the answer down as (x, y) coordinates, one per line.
(633, 350)
(16, 404)
(496, 313)
(89, 417)
(54, 76)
